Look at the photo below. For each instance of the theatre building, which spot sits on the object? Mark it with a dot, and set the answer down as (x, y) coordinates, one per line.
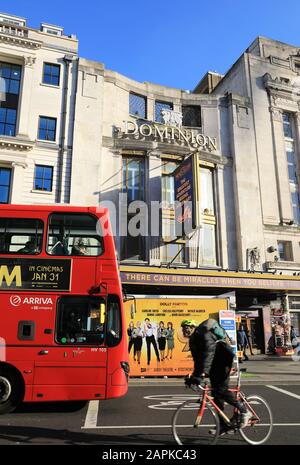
(242, 130)
(72, 131)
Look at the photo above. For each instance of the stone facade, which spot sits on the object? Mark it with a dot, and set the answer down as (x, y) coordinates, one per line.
(241, 115)
(30, 49)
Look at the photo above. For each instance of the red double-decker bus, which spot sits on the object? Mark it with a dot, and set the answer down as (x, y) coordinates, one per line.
(62, 325)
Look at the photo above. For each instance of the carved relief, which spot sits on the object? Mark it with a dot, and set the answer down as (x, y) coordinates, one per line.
(172, 118)
(253, 258)
(276, 114)
(29, 61)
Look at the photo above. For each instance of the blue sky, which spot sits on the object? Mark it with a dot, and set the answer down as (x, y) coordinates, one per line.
(168, 42)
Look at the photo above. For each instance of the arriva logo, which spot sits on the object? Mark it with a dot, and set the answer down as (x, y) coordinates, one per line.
(16, 300)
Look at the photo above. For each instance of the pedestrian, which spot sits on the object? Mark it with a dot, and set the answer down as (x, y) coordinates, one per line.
(294, 337)
(249, 335)
(213, 357)
(242, 342)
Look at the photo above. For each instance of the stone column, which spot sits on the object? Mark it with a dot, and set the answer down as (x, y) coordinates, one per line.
(221, 230)
(282, 181)
(25, 96)
(16, 196)
(113, 196)
(154, 218)
(297, 127)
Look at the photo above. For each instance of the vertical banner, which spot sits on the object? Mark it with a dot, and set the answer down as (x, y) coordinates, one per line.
(185, 197)
(228, 321)
(156, 343)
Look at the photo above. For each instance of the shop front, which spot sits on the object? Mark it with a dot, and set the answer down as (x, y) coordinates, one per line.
(165, 297)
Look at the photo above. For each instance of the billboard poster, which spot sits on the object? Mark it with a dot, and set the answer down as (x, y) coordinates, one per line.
(185, 197)
(156, 344)
(35, 274)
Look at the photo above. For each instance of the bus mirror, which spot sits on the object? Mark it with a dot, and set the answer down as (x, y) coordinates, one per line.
(132, 310)
(102, 314)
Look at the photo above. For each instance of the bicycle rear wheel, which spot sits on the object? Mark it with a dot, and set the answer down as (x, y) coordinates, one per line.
(260, 425)
(183, 425)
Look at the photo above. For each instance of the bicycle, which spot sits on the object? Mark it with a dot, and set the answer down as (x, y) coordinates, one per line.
(196, 421)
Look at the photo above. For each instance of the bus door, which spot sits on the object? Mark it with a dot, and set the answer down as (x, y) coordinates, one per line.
(75, 367)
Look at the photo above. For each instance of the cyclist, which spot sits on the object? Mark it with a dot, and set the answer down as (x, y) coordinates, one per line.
(213, 357)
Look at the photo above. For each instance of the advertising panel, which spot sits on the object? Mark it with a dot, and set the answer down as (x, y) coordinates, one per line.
(227, 320)
(156, 344)
(34, 274)
(185, 207)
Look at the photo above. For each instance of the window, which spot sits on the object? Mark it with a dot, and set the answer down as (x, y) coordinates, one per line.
(159, 106)
(133, 181)
(167, 180)
(74, 234)
(291, 164)
(114, 321)
(208, 245)
(47, 128)
(43, 178)
(51, 74)
(170, 250)
(21, 236)
(5, 177)
(208, 256)
(191, 116)
(133, 184)
(285, 251)
(287, 125)
(137, 105)
(8, 122)
(80, 320)
(10, 77)
(207, 194)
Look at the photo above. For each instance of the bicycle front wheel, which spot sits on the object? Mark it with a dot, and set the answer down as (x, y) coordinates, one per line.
(260, 426)
(191, 429)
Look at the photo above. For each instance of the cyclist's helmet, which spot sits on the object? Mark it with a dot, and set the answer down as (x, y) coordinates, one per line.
(189, 323)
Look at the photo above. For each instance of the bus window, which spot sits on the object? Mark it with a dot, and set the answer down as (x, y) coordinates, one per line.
(74, 234)
(21, 236)
(79, 321)
(114, 322)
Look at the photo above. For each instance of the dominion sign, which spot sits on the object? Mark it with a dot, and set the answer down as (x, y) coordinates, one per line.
(170, 134)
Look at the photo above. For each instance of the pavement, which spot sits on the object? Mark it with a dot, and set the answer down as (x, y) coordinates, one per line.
(259, 369)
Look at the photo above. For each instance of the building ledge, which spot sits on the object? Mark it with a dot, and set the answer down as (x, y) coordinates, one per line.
(20, 41)
(284, 266)
(15, 143)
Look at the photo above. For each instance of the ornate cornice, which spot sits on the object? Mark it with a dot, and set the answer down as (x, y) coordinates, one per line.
(16, 144)
(283, 92)
(20, 41)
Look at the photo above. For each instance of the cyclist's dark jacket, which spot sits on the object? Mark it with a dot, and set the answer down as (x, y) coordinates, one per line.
(210, 354)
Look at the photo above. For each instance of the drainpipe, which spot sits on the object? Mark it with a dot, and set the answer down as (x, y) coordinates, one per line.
(67, 60)
(73, 124)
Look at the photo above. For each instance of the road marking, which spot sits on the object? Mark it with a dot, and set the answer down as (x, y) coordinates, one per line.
(170, 426)
(92, 415)
(288, 393)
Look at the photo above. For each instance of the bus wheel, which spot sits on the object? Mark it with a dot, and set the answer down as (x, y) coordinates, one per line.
(10, 391)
